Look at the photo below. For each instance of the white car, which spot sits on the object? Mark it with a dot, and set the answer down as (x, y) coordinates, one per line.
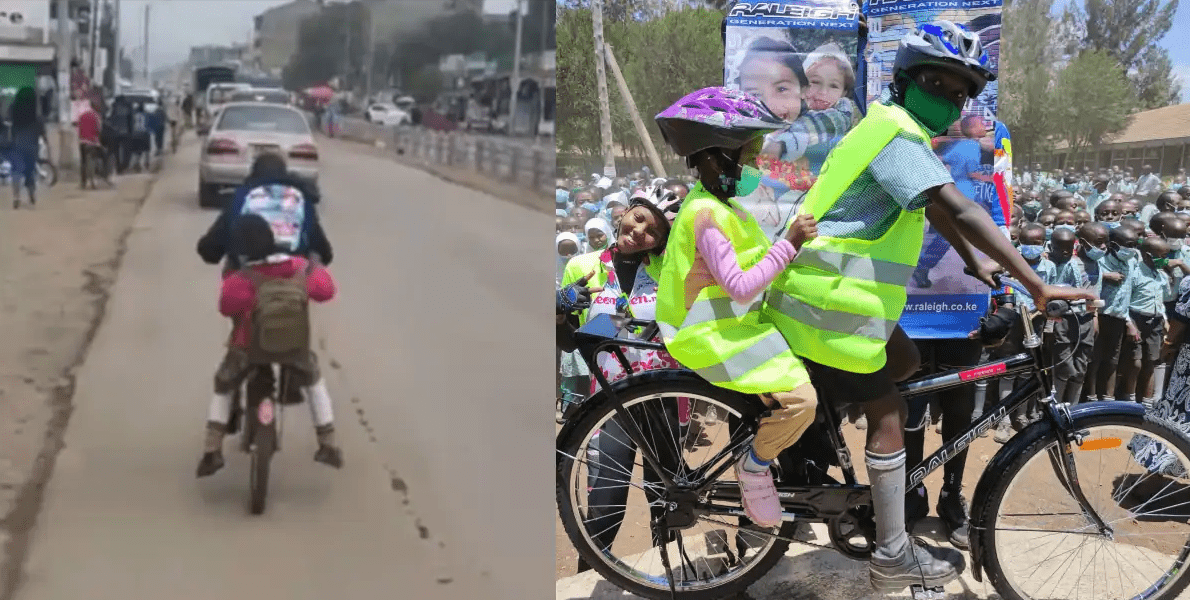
(387, 114)
(244, 130)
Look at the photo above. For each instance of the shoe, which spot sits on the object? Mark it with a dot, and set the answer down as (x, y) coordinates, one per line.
(921, 278)
(919, 563)
(329, 455)
(862, 423)
(758, 495)
(210, 463)
(917, 506)
(952, 509)
(1004, 431)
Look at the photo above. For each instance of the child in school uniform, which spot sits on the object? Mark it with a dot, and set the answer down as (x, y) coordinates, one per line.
(1116, 271)
(1073, 336)
(1146, 319)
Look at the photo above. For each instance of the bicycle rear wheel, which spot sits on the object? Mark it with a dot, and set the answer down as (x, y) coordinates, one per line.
(264, 415)
(607, 497)
(1037, 541)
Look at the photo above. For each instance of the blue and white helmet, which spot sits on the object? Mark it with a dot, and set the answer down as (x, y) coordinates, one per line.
(942, 43)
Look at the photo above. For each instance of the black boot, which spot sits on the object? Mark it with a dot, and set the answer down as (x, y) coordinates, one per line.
(211, 462)
(952, 510)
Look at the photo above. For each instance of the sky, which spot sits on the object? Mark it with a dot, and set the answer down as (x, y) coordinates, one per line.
(176, 25)
(1179, 50)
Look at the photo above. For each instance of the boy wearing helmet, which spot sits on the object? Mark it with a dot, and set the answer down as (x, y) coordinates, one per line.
(839, 301)
(717, 265)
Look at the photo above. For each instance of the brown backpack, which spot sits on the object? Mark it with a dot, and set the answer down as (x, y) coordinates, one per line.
(280, 323)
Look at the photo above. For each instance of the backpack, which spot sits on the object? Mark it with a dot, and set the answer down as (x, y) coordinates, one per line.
(280, 322)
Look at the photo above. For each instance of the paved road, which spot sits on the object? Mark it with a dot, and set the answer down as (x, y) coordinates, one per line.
(434, 357)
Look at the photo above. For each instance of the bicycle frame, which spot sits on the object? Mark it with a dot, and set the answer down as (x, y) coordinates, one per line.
(611, 334)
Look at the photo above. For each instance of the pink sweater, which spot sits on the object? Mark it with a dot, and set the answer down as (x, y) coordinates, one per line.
(238, 296)
(718, 264)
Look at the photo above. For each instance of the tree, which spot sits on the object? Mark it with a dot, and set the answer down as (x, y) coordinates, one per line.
(1028, 52)
(331, 43)
(456, 33)
(1129, 31)
(662, 58)
(1093, 99)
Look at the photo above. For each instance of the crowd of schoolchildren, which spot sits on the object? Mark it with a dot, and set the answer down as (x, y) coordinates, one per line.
(1124, 236)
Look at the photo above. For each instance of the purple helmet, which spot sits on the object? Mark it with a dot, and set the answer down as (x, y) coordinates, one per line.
(715, 117)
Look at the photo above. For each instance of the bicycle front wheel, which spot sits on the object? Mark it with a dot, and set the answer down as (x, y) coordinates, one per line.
(608, 496)
(1039, 543)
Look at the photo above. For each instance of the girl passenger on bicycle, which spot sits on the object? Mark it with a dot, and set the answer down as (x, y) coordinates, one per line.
(718, 263)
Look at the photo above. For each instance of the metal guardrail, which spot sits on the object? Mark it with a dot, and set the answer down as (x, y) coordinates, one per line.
(515, 161)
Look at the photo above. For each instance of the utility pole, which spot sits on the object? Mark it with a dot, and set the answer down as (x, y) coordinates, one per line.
(634, 114)
(115, 50)
(65, 53)
(605, 112)
(94, 30)
(371, 53)
(147, 7)
(516, 68)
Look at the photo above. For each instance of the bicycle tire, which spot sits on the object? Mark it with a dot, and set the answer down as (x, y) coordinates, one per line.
(1027, 444)
(264, 444)
(589, 414)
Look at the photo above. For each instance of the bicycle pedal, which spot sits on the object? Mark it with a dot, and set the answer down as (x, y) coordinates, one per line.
(922, 593)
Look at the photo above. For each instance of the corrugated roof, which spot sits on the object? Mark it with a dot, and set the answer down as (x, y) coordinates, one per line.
(1166, 123)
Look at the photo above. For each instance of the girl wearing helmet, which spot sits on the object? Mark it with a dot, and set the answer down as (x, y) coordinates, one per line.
(839, 302)
(621, 279)
(718, 262)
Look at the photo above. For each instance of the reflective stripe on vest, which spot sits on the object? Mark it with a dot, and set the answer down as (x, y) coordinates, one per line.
(839, 301)
(767, 348)
(724, 342)
(858, 267)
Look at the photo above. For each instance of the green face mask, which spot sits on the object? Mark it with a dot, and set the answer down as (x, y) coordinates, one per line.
(936, 114)
(749, 181)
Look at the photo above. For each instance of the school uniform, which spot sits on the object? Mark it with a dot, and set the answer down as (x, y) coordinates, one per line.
(1146, 310)
(1073, 336)
(1095, 280)
(1113, 324)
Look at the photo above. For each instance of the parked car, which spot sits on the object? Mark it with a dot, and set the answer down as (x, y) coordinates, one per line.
(387, 114)
(244, 130)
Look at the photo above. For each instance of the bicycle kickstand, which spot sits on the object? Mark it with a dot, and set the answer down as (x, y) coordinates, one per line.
(923, 593)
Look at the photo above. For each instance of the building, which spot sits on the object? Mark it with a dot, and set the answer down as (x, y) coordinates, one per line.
(27, 51)
(1158, 137)
(276, 33)
(210, 54)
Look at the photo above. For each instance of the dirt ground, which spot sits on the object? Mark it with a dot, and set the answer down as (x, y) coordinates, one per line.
(57, 262)
(980, 453)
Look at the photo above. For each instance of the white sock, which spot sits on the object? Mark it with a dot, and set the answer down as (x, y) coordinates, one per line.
(319, 400)
(220, 409)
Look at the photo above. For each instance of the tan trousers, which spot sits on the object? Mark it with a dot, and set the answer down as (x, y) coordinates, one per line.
(791, 414)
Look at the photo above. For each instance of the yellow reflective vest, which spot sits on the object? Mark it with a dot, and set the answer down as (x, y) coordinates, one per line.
(724, 342)
(839, 301)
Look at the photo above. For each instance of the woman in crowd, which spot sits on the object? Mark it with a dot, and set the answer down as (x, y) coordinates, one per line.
(622, 279)
(27, 133)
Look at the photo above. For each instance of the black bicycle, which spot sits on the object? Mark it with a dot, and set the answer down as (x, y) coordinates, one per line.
(1069, 488)
(258, 405)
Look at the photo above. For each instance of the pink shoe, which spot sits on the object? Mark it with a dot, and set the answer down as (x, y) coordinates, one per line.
(758, 495)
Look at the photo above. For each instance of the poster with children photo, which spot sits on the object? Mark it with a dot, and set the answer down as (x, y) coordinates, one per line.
(799, 57)
(943, 301)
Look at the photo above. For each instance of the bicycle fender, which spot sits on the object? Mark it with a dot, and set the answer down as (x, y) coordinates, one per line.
(601, 396)
(999, 463)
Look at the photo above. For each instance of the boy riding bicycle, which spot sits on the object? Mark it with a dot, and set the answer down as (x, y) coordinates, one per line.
(838, 302)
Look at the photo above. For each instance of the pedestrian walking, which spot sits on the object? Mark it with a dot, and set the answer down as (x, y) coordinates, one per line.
(27, 133)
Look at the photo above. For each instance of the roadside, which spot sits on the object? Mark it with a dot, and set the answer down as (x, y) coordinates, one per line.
(58, 261)
(521, 195)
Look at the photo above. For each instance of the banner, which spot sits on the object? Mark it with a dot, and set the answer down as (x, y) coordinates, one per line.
(800, 58)
(944, 303)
